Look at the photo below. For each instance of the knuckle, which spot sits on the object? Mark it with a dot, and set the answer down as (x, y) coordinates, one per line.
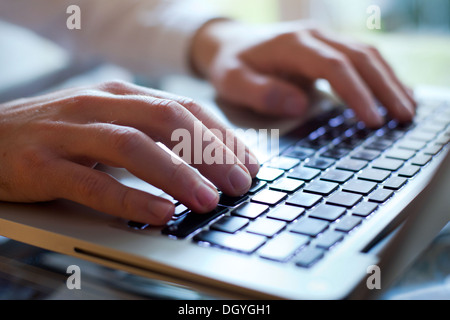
(115, 86)
(362, 55)
(169, 110)
(125, 139)
(338, 62)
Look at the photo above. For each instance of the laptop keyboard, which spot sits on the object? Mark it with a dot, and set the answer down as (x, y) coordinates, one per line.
(305, 201)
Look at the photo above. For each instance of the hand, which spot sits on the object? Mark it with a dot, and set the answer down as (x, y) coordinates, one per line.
(271, 69)
(50, 145)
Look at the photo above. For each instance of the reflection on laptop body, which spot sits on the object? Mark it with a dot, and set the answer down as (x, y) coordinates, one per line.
(318, 216)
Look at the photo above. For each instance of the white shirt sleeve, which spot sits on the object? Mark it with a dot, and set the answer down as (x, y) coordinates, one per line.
(149, 37)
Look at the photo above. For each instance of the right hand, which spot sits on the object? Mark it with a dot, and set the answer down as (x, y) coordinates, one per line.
(51, 144)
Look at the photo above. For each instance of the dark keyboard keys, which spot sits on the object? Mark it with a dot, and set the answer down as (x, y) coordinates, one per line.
(303, 199)
(229, 201)
(269, 174)
(345, 199)
(308, 256)
(137, 225)
(376, 175)
(327, 212)
(250, 210)
(283, 246)
(305, 174)
(336, 153)
(338, 176)
(363, 209)
(321, 187)
(190, 222)
(285, 213)
(299, 153)
(256, 186)
(266, 227)
(287, 185)
(351, 164)
(319, 163)
(365, 154)
(359, 186)
(229, 224)
(309, 226)
(269, 197)
(242, 241)
(380, 195)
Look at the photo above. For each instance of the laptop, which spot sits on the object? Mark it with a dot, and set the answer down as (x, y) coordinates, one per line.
(338, 213)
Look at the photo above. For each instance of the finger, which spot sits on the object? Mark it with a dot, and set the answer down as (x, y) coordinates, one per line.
(263, 93)
(171, 123)
(209, 120)
(381, 80)
(319, 60)
(131, 149)
(101, 192)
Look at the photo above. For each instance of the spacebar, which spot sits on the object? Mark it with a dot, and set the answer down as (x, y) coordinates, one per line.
(192, 221)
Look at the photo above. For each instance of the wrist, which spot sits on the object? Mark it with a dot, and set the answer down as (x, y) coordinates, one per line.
(206, 44)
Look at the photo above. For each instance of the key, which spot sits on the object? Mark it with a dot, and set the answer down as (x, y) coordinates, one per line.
(345, 199)
(229, 201)
(364, 209)
(302, 173)
(287, 185)
(338, 176)
(347, 223)
(408, 171)
(299, 153)
(283, 246)
(387, 164)
(378, 144)
(433, 149)
(336, 153)
(394, 183)
(269, 174)
(351, 164)
(421, 159)
(191, 222)
(266, 227)
(321, 187)
(269, 197)
(309, 226)
(137, 225)
(376, 175)
(284, 163)
(365, 154)
(285, 213)
(256, 186)
(250, 210)
(327, 212)
(242, 241)
(302, 199)
(359, 186)
(380, 195)
(401, 154)
(328, 239)
(308, 257)
(229, 224)
(410, 144)
(319, 163)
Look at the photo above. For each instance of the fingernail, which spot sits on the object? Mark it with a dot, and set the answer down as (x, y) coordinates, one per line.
(163, 210)
(206, 196)
(239, 179)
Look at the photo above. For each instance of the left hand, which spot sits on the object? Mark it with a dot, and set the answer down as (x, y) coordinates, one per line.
(270, 69)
